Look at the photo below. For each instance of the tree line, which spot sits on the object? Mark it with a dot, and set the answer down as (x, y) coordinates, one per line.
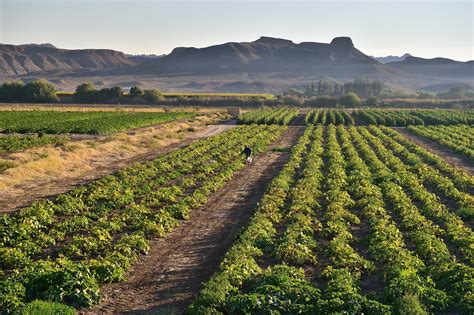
(37, 91)
(363, 87)
(87, 93)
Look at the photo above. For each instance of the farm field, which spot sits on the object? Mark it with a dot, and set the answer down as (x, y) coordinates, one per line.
(355, 222)
(55, 122)
(459, 138)
(28, 174)
(328, 117)
(338, 212)
(392, 118)
(93, 234)
(282, 116)
(12, 143)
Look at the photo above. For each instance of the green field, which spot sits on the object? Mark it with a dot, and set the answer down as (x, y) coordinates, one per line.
(350, 227)
(54, 122)
(459, 138)
(12, 143)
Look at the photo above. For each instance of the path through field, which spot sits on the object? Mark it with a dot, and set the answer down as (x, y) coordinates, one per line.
(447, 154)
(166, 280)
(26, 193)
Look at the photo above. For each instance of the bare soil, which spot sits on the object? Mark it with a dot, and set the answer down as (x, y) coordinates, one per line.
(447, 154)
(167, 279)
(299, 120)
(25, 193)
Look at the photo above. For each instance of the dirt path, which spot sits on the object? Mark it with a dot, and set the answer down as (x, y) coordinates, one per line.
(299, 120)
(167, 279)
(448, 155)
(45, 188)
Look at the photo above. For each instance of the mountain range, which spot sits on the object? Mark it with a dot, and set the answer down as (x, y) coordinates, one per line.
(391, 58)
(267, 64)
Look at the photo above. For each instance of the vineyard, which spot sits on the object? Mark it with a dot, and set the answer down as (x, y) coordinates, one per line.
(356, 222)
(347, 215)
(54, 122)
(391, 118)
(459, 138)
(281, 116)
(402, 118)
(328, 117)
(61, 250)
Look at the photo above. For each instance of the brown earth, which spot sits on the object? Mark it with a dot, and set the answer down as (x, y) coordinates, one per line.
(167, 279)
(48, 171)
(451, 157)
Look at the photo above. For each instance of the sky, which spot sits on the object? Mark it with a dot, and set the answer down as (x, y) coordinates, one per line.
(425, 28)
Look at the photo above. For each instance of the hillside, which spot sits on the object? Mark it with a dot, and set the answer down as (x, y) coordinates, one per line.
(440, 67)
(265, 55)
(264, 65)
(24, 59)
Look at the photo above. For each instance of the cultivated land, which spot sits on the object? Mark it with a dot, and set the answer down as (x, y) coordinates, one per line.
(48, 170)
(339, 211)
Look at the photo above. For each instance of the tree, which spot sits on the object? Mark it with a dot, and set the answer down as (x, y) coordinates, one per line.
(40, 91)
(372, 101)
(135, 91)
(85, 93)
(152, 96)
(350, 100)
(12, 91)
(113, 93)
(324, 87)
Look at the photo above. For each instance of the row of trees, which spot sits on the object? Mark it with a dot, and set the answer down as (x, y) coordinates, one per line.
(38, 91)
(350, 100)
(87, 93)
(362, 87)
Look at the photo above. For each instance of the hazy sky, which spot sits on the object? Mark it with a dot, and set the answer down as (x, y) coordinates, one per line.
(377, 27)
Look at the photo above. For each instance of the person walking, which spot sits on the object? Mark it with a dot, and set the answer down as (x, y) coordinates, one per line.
(248, 154)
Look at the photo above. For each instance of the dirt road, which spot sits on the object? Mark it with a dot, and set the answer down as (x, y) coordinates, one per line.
(167, 279)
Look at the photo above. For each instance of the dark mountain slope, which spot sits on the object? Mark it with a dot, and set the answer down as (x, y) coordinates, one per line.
(265, 55)
(439, 67)
(23, 59)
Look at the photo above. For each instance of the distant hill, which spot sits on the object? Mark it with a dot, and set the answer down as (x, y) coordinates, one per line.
(443, 87)
(31, 58)
(142, 57)
(391, 58)
(438, 67)
(265, 55)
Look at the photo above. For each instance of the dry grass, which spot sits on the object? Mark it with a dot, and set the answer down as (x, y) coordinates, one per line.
(76, 159)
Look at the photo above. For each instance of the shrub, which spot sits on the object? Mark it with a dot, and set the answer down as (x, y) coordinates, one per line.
(152, 96)
(350, 100)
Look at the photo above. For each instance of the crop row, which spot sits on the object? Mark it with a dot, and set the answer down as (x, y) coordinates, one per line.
(62, 250)
(327, 117)
(54, 122)
(386, 118)
(352, 208)
(11, 143)
(282, 116)
(402, 118)
(459, 138)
